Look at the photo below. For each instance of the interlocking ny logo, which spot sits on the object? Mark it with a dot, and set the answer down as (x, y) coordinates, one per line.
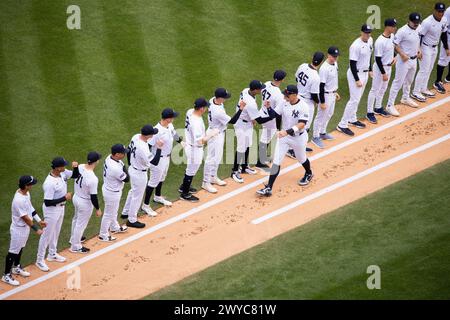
(295, 113)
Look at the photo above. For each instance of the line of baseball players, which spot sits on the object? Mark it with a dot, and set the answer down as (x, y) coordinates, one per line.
(288, 114)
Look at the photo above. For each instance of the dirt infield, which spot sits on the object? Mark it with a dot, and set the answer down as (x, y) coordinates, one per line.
(178, 247)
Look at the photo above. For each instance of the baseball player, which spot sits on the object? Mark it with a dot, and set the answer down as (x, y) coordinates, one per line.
(140, 158)
(444, 56)
(273, 94)
(407, 46)
(55, 197)
(431, 31)
(84, 200)
(115, 175)
(328, 96)
(217, 120)
(167, 134)
(384, 60)
(244, 128)
(294, 117)
(23, 214)
(357, 76)
(308, 85)
(196, 138)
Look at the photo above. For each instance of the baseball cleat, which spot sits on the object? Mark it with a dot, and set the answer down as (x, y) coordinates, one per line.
(208, 187)
(7, 278)
(42, 266)
(219, 182)
(137, 224)
(447, 79)
(291, 154)
(124, 216)
(248, 170)
(358, 124)
(409, 102)
(237, 177)
(381, 112)
(189, 197)
(56, 258)
(392, 111)
(326, 136)
(371, 117)
(162, 200)
(149, 211)
(428, 94)
(266, 191)
(83, 239)
(191, 190)
(439, 87)
(121, 229)
(346, 131)
(107, 239)
(82, 250)
(419, 97)
(261, 165)
(306, 179)
(19, 271)
(318, 142)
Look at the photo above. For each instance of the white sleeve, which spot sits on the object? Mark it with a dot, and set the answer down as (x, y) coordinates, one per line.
(398, 37)
(221, 116)
(93, 186)
(423, 30)
(354, 52)
(304, 114)
(252, 110)
(379, 50)
(119, 174)
(315, 85)
(49, 192)
(323, 74)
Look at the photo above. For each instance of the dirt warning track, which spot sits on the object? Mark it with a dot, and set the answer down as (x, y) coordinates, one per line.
(185, 239)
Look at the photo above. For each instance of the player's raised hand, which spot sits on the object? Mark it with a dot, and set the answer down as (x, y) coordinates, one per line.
(68, 196)
(159, 144)
(74, 164)
(242, 105)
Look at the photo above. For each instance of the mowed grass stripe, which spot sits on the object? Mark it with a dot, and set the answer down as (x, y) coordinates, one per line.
(401, 229)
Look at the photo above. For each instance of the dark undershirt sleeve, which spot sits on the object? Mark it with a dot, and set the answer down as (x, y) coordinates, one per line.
(235, 118)
(54, 202)
(94, 200)
(75, 173)
(380, 65)
(322, 92)
(156, 158)
(354, 70)
(444, 39)
(315, 97)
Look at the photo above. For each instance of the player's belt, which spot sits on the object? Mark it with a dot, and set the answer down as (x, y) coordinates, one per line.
(167, 155)
(413, 57)
(329, 92)
(429, 45)
(139, 169)
(244, 121)
(195, 146)
(83, 198)
(364, 71)
(112, 190)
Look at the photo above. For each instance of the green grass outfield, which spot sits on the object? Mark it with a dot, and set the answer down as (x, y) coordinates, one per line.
(68, 92)
(402, 229)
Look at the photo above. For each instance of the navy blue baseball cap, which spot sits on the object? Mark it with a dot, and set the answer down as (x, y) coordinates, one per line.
(290, 89)
(390, 22)
(256, 85)
(119, 148)
(415, 17)
(201, 103)
(93, 156)
(168, 113)
(27, 181)
(59, 162)
(148, 130)
(366, 28)
(439, 7)
(222, 93)
(318, 58)
(279, 75)
(333, 51)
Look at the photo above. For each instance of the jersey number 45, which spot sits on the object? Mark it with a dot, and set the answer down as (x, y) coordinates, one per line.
(302, 78)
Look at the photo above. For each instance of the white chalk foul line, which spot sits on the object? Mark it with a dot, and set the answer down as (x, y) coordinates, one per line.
(215, 201)
(349, 180)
